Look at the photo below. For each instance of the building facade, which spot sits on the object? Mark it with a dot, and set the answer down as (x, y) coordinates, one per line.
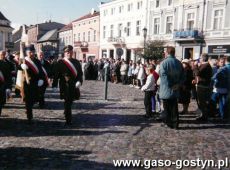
(122, 22)
(35, 32)
(217, 27)
(65, 37)
(6, 41)
(180, 24)
(49, 44)
(86, 36)
(192, 26)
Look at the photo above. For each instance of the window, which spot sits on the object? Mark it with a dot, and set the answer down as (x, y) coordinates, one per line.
(89, 36)
(156, 25)
(139, 5)
(169, 2)
(70, 40)
(66, 41)
(121, 8)
(111, 30)
(157, 3)
(218, 18)
(128, 29)
(119, 30)
(74, 37)
(130, 7)
(105, 12)
(79, 36)
(94, 35)
(83, 36)
(112, 11)
(138, 28)
(190, 21)
(169, 25)
(104, 32)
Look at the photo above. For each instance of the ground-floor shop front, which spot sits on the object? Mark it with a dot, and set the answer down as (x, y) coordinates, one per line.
(85, 51)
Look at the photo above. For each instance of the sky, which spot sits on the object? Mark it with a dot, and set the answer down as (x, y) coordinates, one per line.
(29, 12)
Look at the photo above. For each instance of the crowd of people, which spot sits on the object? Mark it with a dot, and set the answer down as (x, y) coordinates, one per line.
(169, 81)
(165, 82)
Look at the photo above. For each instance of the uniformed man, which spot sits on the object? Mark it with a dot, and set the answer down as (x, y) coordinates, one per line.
(5, 79)
(35, 75)
(70, 79)
(46, 68)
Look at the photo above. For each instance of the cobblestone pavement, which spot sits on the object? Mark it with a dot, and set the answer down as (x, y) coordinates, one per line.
(102, 131)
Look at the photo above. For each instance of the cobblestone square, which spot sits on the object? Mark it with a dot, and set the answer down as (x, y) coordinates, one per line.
(102, 131)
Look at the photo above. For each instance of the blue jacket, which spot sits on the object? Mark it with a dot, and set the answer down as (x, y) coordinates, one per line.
(222, 78)
(172, 76)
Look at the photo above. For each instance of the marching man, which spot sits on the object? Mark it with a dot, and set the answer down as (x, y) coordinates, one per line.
(33, 80)
(70, 79)
(46, 68)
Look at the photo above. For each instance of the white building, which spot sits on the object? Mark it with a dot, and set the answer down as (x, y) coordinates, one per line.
(217, 27)
(122, 22)
(192, 26)
(6, 41)
(65, 36)
(180, 24)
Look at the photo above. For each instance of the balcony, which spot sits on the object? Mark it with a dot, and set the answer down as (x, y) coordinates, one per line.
(186, 35)
(81, 44)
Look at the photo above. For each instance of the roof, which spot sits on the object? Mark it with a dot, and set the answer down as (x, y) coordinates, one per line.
(49, 36)
(89, 15)
(2, 17)
(67, 27)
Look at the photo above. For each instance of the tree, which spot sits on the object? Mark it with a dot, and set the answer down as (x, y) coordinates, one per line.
(154, 50)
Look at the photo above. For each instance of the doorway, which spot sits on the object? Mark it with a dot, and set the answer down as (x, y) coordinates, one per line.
(188, 53)
(128, 57)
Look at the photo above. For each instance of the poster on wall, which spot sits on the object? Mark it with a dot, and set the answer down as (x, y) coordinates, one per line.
(219, 49)
(1, 41)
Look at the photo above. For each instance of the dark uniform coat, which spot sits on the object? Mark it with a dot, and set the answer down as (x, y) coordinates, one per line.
(7, 84)
(31, 89)
(67, 80)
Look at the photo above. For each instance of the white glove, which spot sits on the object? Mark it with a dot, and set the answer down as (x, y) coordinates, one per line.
(24, 66)
(8, 93)
(78, 84)
(40, 83)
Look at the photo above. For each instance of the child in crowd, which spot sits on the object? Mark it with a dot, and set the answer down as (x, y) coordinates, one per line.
(149, 89)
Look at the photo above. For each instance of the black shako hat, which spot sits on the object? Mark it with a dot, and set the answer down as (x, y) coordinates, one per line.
(30, 48)
(68, 48)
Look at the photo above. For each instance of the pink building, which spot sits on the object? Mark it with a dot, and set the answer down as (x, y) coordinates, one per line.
(86, 36)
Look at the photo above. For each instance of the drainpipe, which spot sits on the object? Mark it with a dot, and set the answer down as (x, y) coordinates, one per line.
(202, 26)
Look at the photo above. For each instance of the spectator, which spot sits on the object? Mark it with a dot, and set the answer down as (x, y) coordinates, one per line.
(185, 90)
(148, 88)
(203, 80)
(133, 75)
(124, 71)
(221, 88)
(171, 74)
(100, 69)
(136, 71)
(130, 72)
(141, 76)
(95, 71)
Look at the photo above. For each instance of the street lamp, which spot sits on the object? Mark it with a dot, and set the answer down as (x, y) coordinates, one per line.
(145, 36)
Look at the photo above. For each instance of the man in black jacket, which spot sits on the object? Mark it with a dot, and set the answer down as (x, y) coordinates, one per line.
(70, 79)
(6, 78)
(46, 68)
(35, 79)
